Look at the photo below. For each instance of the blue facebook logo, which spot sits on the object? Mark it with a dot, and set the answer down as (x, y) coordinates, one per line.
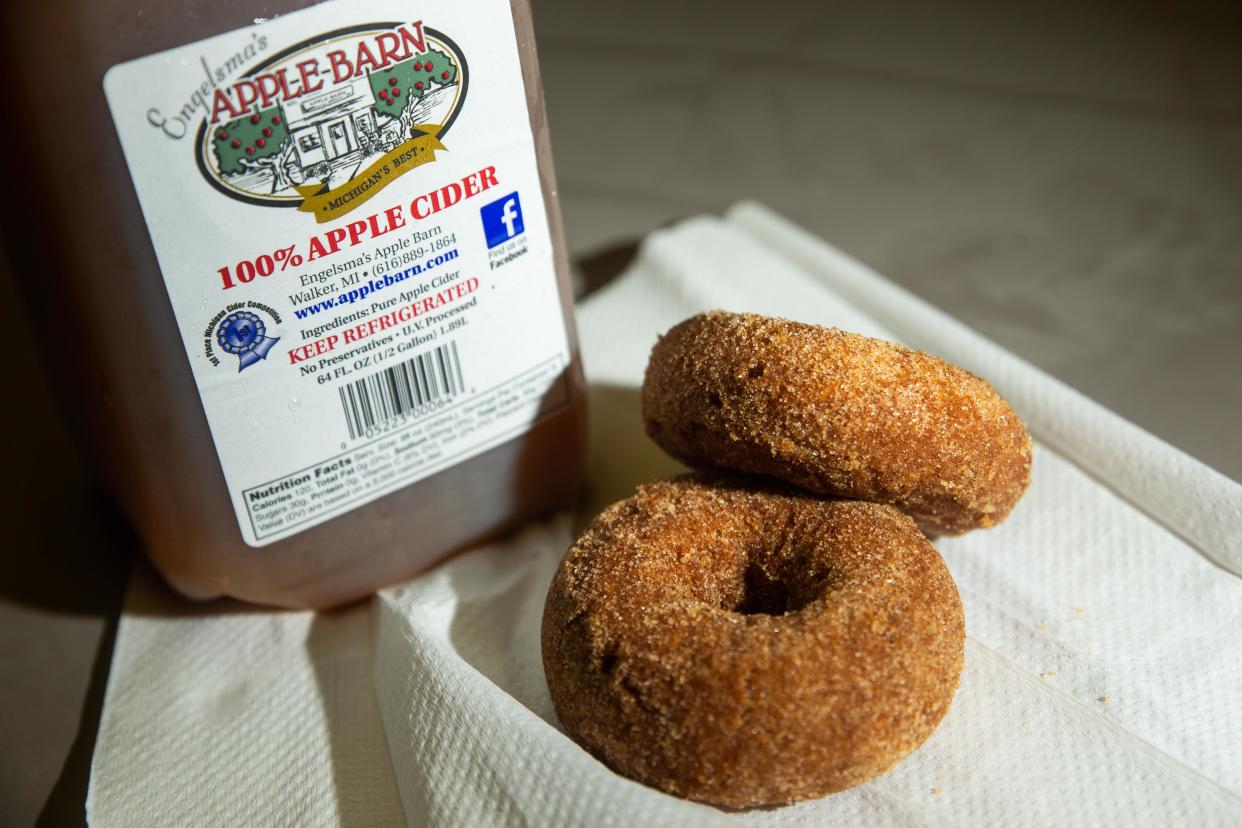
(502, 219)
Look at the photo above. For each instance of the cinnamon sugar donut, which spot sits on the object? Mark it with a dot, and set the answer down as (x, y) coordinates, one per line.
(837, 413)
(743, 645)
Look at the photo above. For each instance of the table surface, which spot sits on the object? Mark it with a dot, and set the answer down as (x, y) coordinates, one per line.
(1065, 179)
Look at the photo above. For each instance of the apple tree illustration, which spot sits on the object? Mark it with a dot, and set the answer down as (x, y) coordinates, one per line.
(399, 84)
(258, 139)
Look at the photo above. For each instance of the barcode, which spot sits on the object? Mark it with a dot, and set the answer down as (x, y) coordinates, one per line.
(401, 389)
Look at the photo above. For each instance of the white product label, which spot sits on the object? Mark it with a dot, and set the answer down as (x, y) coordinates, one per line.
(345, 205)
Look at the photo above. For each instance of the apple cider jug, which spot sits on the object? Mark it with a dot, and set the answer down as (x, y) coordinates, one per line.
(307, 274)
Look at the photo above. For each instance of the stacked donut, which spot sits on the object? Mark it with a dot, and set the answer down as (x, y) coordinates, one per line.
(776, 627)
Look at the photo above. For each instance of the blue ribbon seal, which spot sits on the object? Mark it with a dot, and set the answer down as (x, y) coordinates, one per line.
(244, 335)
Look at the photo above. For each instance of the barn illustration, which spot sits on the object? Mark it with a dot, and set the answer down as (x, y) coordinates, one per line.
(331, 135)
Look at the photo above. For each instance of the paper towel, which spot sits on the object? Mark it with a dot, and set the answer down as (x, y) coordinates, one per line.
(1103, 662)
(231, 715)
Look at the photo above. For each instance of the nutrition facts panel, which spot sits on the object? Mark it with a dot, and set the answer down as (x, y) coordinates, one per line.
(409, 450)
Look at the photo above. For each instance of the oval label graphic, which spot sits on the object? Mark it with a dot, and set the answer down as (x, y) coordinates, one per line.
(328, 123)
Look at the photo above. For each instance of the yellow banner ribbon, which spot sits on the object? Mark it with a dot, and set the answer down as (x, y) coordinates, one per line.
(327, 204)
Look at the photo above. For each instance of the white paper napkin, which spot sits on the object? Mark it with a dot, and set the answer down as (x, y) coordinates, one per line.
(1104, 657)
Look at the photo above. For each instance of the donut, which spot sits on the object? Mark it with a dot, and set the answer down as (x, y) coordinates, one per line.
(837, 413)
(743, 644)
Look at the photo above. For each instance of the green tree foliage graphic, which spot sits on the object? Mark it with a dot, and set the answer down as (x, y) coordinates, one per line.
(395, 86)
(259, 139)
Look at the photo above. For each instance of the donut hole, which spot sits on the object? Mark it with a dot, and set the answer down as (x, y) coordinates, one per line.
(608, 659)
(762, 594)
(774, 593)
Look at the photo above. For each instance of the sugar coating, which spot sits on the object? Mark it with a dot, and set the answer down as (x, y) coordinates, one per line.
(837, 413)
(743, 644)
